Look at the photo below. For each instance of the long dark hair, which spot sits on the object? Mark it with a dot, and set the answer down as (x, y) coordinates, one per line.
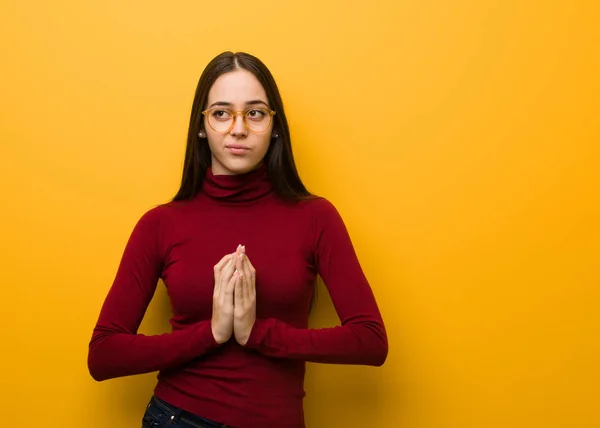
(279, 157)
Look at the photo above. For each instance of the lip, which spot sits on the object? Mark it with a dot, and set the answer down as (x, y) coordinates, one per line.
(237, 149)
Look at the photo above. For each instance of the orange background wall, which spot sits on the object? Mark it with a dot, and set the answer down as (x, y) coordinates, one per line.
(459, 140)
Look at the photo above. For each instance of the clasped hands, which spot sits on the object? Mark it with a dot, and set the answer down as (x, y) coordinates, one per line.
(234, 298)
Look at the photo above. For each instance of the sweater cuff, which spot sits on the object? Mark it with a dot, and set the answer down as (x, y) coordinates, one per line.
(205, 339)
(257, 334)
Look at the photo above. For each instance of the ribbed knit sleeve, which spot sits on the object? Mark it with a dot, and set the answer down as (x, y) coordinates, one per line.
(116, 349)
(361, 338)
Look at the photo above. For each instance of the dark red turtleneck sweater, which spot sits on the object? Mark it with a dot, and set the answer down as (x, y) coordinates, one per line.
(260, 384)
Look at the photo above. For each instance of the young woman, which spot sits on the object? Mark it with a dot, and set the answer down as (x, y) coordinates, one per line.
(239, 249)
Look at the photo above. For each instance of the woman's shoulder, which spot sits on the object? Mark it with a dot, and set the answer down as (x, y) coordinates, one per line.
(321, 209)
(171, 208)
(160, 212)
(319, 202)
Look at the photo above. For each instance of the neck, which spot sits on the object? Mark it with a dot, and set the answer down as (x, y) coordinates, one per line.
(237, 188)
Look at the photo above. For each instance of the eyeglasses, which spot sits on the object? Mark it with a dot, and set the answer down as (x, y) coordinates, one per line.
(256, 119)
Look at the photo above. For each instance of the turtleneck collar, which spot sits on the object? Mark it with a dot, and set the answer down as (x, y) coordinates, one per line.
(237, 188)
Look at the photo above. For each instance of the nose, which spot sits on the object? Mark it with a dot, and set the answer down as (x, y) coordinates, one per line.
(239, 127)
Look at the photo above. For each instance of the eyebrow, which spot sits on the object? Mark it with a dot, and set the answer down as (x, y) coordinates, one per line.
(248, 103)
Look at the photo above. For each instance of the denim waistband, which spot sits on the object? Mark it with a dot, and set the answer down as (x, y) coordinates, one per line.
(180, 414)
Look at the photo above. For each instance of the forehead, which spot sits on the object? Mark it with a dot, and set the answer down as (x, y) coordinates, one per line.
(236, 87)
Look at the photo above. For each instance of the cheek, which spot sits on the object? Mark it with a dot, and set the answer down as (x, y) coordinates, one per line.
(214, 142)
(263, 145)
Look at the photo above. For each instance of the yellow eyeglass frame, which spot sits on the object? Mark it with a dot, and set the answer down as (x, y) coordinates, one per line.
(235, 113)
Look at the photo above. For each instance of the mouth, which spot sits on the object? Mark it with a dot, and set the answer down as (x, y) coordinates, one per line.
(237, 149)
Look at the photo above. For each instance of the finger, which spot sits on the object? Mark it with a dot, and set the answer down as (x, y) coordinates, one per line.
(244, 286)
(229, 289)
(236, 260)
(247, 289)
(251, 275)
(249, 262)
(239, 262)
(249, 281)
(219, 266)
(226, 275)
(217, 272)
(246, 266)
(239, 288)
(229, 268)
(223, 261)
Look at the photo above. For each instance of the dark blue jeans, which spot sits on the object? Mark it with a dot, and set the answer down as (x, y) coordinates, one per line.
(162, 414)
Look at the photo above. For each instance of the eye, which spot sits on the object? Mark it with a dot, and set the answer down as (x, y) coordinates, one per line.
(221, 114)
(256, 114)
